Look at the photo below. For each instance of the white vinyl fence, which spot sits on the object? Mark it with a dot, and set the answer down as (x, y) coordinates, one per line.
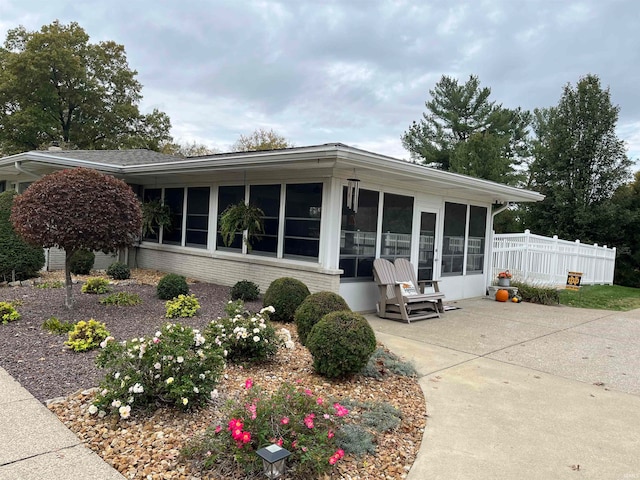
(542, 260)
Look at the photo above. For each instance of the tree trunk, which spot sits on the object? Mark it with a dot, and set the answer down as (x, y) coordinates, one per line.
(68, 301)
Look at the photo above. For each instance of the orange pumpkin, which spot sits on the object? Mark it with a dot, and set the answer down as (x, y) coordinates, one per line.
(502, 295)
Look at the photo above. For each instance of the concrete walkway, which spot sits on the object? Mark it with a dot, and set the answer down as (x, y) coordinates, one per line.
(522, 391)
(35, 445)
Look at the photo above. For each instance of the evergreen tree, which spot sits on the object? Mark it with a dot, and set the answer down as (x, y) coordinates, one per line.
(464, 132)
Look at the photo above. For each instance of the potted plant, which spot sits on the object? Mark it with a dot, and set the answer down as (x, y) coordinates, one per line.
(504, 278)
(241, 217)
(155, 214)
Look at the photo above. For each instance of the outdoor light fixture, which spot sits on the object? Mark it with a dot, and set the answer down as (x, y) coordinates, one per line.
(273, 460)
(353, 191)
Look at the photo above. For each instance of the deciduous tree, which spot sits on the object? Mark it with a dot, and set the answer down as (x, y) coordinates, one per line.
(261, 139)
(77, 209)
(579, 163)
(57, 87)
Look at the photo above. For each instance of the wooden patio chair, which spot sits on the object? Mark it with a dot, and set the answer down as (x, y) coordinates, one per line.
(399, 298)
(405, 270)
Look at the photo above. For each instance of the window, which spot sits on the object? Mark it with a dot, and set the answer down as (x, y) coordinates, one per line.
(397, 219)
(3, 186)
(475, 248)
(267, 198)
(174, 199)
(228, 196)
(303, 207)
(197, 217)
(358, 235)
(455, 216)
(152, 195)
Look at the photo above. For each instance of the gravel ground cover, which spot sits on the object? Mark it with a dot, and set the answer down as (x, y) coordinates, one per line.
(147, 445)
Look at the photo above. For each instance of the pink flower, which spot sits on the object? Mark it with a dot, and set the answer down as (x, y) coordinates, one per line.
(308, 420)
(319, 401)
(340, 410)
(218, 428)
(156, 340)
(332, 460)
(235, 424)
(330, 434)
(294, 444)
(339, 453)
(304, 449)
(252, 410)
(248, 384)
(308, 392)
(326, 416)
(280, 442)
(245, 437)
(237, 434)
(284, 421)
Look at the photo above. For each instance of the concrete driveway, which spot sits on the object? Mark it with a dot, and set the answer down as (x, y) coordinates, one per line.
(522, 391)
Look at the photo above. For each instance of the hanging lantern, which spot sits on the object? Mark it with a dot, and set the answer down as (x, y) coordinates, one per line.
(353, 192)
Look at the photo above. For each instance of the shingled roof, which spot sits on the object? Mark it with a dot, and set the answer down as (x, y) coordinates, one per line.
(115, 157)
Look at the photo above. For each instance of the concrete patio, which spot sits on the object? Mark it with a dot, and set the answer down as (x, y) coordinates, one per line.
(525, 391)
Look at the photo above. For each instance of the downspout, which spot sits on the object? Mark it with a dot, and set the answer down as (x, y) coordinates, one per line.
(18, 166)
(489, 274)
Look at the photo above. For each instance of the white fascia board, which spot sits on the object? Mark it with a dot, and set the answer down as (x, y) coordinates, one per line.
(415, 172)
(49, 159)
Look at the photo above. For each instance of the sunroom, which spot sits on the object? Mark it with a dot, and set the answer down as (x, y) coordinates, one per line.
(329, 211)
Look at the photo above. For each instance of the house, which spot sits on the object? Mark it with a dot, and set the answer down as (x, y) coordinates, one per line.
(329, 211)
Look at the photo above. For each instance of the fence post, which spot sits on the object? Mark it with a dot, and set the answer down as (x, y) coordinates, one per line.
(525, 256)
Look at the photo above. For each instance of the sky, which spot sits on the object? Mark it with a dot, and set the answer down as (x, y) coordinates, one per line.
(352, 71)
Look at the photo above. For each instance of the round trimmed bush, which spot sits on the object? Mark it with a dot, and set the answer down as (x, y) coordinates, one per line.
(245, 290)
(119, 271)
(172, 285)
(285, 295)
(341, 344)
(82, 262)
(313, 308)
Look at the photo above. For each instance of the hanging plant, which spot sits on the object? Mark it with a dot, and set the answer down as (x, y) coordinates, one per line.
(241, 217)
(155, 215)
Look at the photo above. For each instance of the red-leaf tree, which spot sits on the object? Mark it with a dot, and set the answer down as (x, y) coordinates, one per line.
(77, 209)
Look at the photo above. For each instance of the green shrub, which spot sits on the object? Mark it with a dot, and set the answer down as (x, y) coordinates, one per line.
(245, 290)
(50, 284)
(172, 285)
(54, 325)
(8, 313)
(176, 366)
(537, 294)
(96, 285)
(18, 259)
(244, 336)
(86, 335)
(383, 362)
(341, 344)
(313, 308)
(121, 299)
(119, 271)
(292, 417)
(182, 306)
(285, 295)
(82, 262)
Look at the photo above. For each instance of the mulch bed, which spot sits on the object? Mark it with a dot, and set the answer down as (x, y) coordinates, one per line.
(148, 445)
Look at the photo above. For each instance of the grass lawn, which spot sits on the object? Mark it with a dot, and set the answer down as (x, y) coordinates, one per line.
(605, 297)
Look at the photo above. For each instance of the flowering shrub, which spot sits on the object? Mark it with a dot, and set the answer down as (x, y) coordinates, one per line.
(182, 306)
(243, 335)
(177, 366)
(86, 335)
(8, 313)
(293, 418)
(505, 274)
(96, 285)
